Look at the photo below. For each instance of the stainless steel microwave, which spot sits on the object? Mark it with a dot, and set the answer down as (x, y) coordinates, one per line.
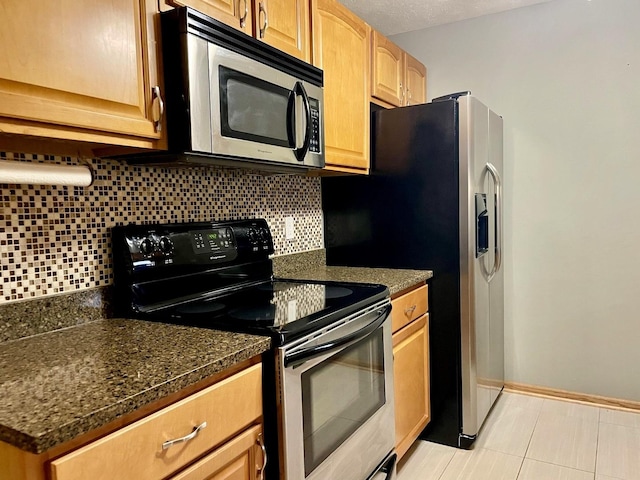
(234, 100)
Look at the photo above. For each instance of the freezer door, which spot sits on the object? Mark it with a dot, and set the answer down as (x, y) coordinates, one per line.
(481, 335)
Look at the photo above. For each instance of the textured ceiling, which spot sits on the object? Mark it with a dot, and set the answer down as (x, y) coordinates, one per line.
(399, 16)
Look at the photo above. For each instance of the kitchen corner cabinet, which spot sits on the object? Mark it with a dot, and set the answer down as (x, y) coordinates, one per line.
(341, 50)
(396, 77)
(228, 444)
(410, 326)
(283, 24)
(85, 71)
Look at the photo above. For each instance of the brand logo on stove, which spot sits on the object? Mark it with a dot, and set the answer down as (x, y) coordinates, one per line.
(216, 257)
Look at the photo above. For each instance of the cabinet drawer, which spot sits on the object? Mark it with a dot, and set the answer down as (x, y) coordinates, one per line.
(408, 307)
(135, 451)
(237, 458)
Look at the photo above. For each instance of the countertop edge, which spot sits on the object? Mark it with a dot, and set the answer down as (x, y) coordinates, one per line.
(37, 443)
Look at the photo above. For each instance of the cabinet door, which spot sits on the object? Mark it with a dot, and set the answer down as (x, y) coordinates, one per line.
(411, 382)
(416, 78)
(341, 49)
(237, 459)
(235, 13)
(387, 67)
(285, 25)
(77, 66)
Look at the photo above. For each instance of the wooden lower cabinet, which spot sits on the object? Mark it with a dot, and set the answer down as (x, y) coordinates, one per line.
(239, 459)
(228, 447)
(137, 450)
(411, 374)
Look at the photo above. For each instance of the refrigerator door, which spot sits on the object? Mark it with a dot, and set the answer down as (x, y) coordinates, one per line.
(474, 264)
(481, 323)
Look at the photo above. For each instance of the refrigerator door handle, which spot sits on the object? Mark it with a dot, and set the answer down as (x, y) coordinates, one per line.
(498, 212)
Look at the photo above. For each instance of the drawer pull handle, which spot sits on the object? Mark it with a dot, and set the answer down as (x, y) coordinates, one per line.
(186, 438)
(409, 311)
(264, 455)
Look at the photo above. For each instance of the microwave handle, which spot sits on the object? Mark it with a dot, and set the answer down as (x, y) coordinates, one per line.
(302, 151)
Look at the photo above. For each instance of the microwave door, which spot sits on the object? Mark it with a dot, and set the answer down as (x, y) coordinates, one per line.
(252, 106)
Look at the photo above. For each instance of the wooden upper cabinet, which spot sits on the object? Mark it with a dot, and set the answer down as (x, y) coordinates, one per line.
(235, 13)
(285, 25)
(341, 49)
(397, 78)
(416, 81)
(387, 67)
(81, 70)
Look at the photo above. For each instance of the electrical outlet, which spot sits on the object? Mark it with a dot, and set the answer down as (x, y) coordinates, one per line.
(289, 230)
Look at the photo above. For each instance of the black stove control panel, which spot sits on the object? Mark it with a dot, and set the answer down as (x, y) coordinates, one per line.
(198, 245)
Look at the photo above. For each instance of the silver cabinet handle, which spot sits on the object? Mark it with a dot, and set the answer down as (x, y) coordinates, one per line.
(497, 262)
(409, 97)
(410, 310)
(401, 94)
(156, 95)
(264, 455)
(186, 438)
(243, 18)
(264, 26)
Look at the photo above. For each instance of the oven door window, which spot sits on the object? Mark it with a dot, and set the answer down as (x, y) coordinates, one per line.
(339, 395)
(253, 109)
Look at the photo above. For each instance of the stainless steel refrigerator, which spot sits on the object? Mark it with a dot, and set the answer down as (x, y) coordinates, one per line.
(434, 201)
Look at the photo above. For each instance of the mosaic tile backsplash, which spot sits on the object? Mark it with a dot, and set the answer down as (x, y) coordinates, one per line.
(56, 239)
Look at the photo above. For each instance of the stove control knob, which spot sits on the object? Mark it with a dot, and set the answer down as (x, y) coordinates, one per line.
(264, 235)
(253, 235)
(166, 245)
(146, 246)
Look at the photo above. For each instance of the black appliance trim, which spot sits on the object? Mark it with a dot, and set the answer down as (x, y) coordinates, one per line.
(211, 30)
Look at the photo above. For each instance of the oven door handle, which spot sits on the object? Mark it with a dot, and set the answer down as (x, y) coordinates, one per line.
(295, 359)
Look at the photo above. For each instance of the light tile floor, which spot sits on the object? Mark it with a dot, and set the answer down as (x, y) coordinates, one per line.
(534, 438)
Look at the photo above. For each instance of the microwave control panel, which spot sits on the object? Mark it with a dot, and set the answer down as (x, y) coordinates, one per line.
(314, 144)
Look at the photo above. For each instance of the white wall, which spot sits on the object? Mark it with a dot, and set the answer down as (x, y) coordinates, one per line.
(565, 75)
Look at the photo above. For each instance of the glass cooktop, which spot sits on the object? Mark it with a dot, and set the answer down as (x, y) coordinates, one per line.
(284, 309)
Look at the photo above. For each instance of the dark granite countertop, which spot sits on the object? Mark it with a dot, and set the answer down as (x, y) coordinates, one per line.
(396, 280)
(59, 385)
(312, 266)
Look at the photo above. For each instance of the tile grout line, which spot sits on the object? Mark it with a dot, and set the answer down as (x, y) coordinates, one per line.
(533, 432)
(595, 466)
(445, 468)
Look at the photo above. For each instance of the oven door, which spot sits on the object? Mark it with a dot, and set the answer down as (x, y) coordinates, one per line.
(336, 411)
(260, 112)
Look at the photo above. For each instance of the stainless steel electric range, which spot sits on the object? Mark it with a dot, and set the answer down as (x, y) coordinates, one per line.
(328, 386)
